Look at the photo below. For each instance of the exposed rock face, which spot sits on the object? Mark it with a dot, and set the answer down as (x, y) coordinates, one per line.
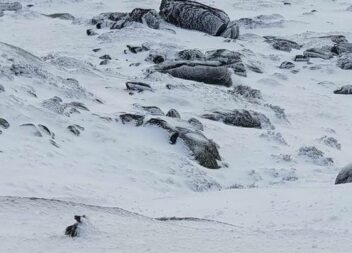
(241, 118)
(194, 16)
(345, 175)
(345, 61)
(341, 48)
(200, 72)
(282, 44)
(344, 90)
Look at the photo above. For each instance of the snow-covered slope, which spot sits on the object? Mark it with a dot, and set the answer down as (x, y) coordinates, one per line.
(52, 84)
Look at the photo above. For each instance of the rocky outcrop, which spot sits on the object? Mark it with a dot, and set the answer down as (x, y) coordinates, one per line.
(323, 53)
(345, 175)
(282, 44)
(241, 118)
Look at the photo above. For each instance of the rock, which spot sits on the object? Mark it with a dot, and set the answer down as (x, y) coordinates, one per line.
(104, 62)
(2, 88)
(4, 123)
(241, 118)
(75, 129)
(345, 61)
(224, 56)
(330, 142)
(315, 155)
(155, 58)
(200, 72)
(64, 16)
(301, 58)
(91, 32)
(232, 31)
(55, 105)
(344, 90)
(134, 118)
(146, 16)
(318, 53)
(46, 130)
(153, 110)
(173, 138)
(136, 49)
(336, 38)
(96, 50)
(172, 113)
(345, 175)
(204, 150)
(105, 57)
(191, 55)
(6, 6)
(282, 44)
(341, 48)
(247, 92)
(196, 124)
(287, 65)
(138, 86)
(194, 16)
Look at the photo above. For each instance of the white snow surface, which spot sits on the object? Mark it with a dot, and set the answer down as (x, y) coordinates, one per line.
(264, 198)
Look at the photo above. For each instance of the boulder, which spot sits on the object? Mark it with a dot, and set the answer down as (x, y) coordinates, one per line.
(4, 123)
(172, 113)
(200, 72)
(322, 53)
(194, 16)
(345, 61)
(240, 118)
(132, 118)
(344, 90)
(345, 175)
(342, 48)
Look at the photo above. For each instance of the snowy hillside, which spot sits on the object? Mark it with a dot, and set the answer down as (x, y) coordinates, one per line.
(150, 112)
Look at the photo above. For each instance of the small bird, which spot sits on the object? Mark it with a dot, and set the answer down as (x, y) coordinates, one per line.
(74, 230)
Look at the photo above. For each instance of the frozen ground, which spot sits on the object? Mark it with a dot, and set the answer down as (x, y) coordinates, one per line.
(271, 198)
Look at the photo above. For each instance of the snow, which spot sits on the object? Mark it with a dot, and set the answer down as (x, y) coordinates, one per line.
(266, 197)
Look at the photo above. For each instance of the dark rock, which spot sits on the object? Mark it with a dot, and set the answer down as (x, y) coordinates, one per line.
(153, 110)
(318, 53)
(191, 55)
(172, 113)
(232, 31)
(4, 123)
(345, 175)
(136, 50)
(301, 58)
(91, 32)
(96, 50)
(204, 151)
(282, 44)
(46, 130)
(342, 48)
(64, 16)
(146, 16)
(247, 92)
(344, 90)
(134, 118)
(104, 62)
(194, 16)
(75, 129)
(138, 86)
(331, 142)
(105, 57)
(196, 124)
(199, 72)
(2, 88)
(156, 59)
(287, 65)
(240, 118)
(173, 138)
(315, 155)
(345, 61)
